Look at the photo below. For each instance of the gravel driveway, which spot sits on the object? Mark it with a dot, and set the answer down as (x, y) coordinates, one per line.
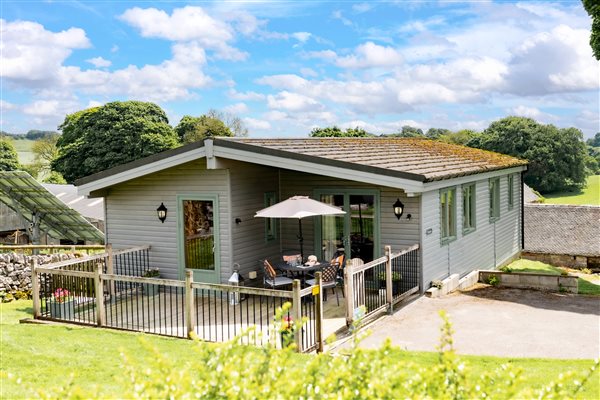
(498, 322)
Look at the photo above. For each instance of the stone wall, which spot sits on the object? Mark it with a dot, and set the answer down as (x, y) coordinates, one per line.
(15, 270)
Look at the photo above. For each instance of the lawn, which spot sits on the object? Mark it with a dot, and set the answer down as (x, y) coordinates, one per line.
(585, 282)
(590, 195)
(23, 148)
(45, 356)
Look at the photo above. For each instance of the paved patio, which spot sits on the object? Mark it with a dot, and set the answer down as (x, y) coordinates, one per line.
(498, 322)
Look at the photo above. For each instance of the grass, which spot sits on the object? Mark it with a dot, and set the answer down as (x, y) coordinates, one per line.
(23, 148)
(585, 283)
(46, 356)
(590, 195)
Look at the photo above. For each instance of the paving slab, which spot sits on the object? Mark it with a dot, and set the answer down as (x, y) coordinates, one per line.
(503, 322)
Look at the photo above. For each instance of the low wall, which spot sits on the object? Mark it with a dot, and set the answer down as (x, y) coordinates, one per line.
(564, 260)
(15, 270)
(555, 283)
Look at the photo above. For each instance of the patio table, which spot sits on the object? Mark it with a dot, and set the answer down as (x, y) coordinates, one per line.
(300, 269)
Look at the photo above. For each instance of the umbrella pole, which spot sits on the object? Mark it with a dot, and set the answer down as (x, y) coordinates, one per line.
(301, 239)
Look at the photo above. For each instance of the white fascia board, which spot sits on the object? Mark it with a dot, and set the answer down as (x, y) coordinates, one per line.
(435, 185)
(318, 169)
(142, 170)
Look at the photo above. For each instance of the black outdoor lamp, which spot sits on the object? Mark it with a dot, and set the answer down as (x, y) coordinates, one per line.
(162, 212)
(398, 209)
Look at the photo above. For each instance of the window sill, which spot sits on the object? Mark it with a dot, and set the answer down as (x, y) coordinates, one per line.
(448, 240)
(468, 230)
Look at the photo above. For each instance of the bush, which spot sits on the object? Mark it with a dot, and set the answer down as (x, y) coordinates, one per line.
(242, 372)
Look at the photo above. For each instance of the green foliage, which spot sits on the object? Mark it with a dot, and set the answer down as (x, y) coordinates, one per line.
(54, 177)
(492, 280)
(35, 134)
(193, 129)
(556, 156)
(593, 9)
(435, 133)
(334, 131)
(231, 121)
(461, 137)
(116, 133)
(85, 362)
(9, 161)
(408, 131)
(595, 141)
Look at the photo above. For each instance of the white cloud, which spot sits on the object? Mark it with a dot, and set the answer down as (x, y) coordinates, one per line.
(362, 7)
(367, 55)
(31, 55)
(114, 49)
(186, 24)
(94, 103)
(337, 14)
(7, 106)
(308, 72)
(293, 102)
(245, 96)
(236, 109)
(256, 124)
(99, 62)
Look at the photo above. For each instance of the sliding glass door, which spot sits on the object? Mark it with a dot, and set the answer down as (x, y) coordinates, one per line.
(357, 232)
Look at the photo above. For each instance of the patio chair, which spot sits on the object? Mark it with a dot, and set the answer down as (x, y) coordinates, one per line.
(328, 280)
(271, 279)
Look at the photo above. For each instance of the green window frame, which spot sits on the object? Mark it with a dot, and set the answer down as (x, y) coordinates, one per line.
(494, 187)
(448, 215)
(511, 192)
(469, 208)
(270, 223)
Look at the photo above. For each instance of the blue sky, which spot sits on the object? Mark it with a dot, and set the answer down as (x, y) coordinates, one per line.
(287, 67)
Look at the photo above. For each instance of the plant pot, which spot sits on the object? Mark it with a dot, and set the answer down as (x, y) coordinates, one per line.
(65, 310)
(149, 289)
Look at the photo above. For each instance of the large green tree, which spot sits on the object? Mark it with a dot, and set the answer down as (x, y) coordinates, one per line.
(556, 156)
(9, 160)
(193, 129)
(99, 138)
(334, 131)
(593, 9)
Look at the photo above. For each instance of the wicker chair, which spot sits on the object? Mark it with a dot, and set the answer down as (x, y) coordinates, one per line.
(328, 280)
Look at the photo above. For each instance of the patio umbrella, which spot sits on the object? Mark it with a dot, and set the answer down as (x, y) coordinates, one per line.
(298, 207)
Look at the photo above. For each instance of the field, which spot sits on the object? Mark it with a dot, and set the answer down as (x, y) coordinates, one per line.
(23, 148)
(39, 358)
(588, 196)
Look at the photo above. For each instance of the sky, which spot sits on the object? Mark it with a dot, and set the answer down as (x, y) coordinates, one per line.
(286, 67)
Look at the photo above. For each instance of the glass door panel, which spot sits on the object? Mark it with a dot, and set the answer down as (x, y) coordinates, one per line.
(199, 238)
(332, 227)
(362, 226)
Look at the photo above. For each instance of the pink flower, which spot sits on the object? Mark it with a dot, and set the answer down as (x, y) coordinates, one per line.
(61, 295)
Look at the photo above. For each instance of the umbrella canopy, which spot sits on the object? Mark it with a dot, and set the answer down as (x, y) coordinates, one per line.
(299, 207)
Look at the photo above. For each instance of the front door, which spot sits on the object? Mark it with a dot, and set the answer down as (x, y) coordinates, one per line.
(198, 237)
(357, 232)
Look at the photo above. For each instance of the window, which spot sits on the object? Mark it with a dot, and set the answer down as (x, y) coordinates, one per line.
(511, 201)
(448, 214)
(270, 223)
(494, 199)
(468, 201)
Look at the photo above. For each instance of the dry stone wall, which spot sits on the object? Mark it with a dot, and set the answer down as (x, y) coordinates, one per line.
(15, 269)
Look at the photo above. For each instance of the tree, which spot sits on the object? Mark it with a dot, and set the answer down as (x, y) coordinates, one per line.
(99, 138)
(35, 134)
(435, 133)
(45, 151)
(334, 131)
(556, 156)
(595, 141)
(408, 132)
(593, 9)
(461, 137)
(193, 129)
(9, 160)
(233, 122)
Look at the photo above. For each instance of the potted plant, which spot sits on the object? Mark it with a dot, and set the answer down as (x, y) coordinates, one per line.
(62, 304)
(396, 281)
(150, 289)
(287, 331)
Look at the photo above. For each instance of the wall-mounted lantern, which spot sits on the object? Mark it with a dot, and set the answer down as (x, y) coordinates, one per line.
(162, 212)
(398, 209)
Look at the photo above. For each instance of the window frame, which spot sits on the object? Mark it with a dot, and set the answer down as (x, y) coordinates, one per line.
(447, 215)
(494, 199)
(511, 191)
(270, 198)
(471, 199)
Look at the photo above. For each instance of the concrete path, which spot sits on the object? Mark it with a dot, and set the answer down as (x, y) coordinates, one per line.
(498, 322)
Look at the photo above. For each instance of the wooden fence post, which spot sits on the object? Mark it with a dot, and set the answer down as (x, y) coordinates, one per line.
(189, 303)
(110, 268)
(99, 287)
(349, 289)
(319, 312)
(389, 294)
(297, 312)
(35, 288)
